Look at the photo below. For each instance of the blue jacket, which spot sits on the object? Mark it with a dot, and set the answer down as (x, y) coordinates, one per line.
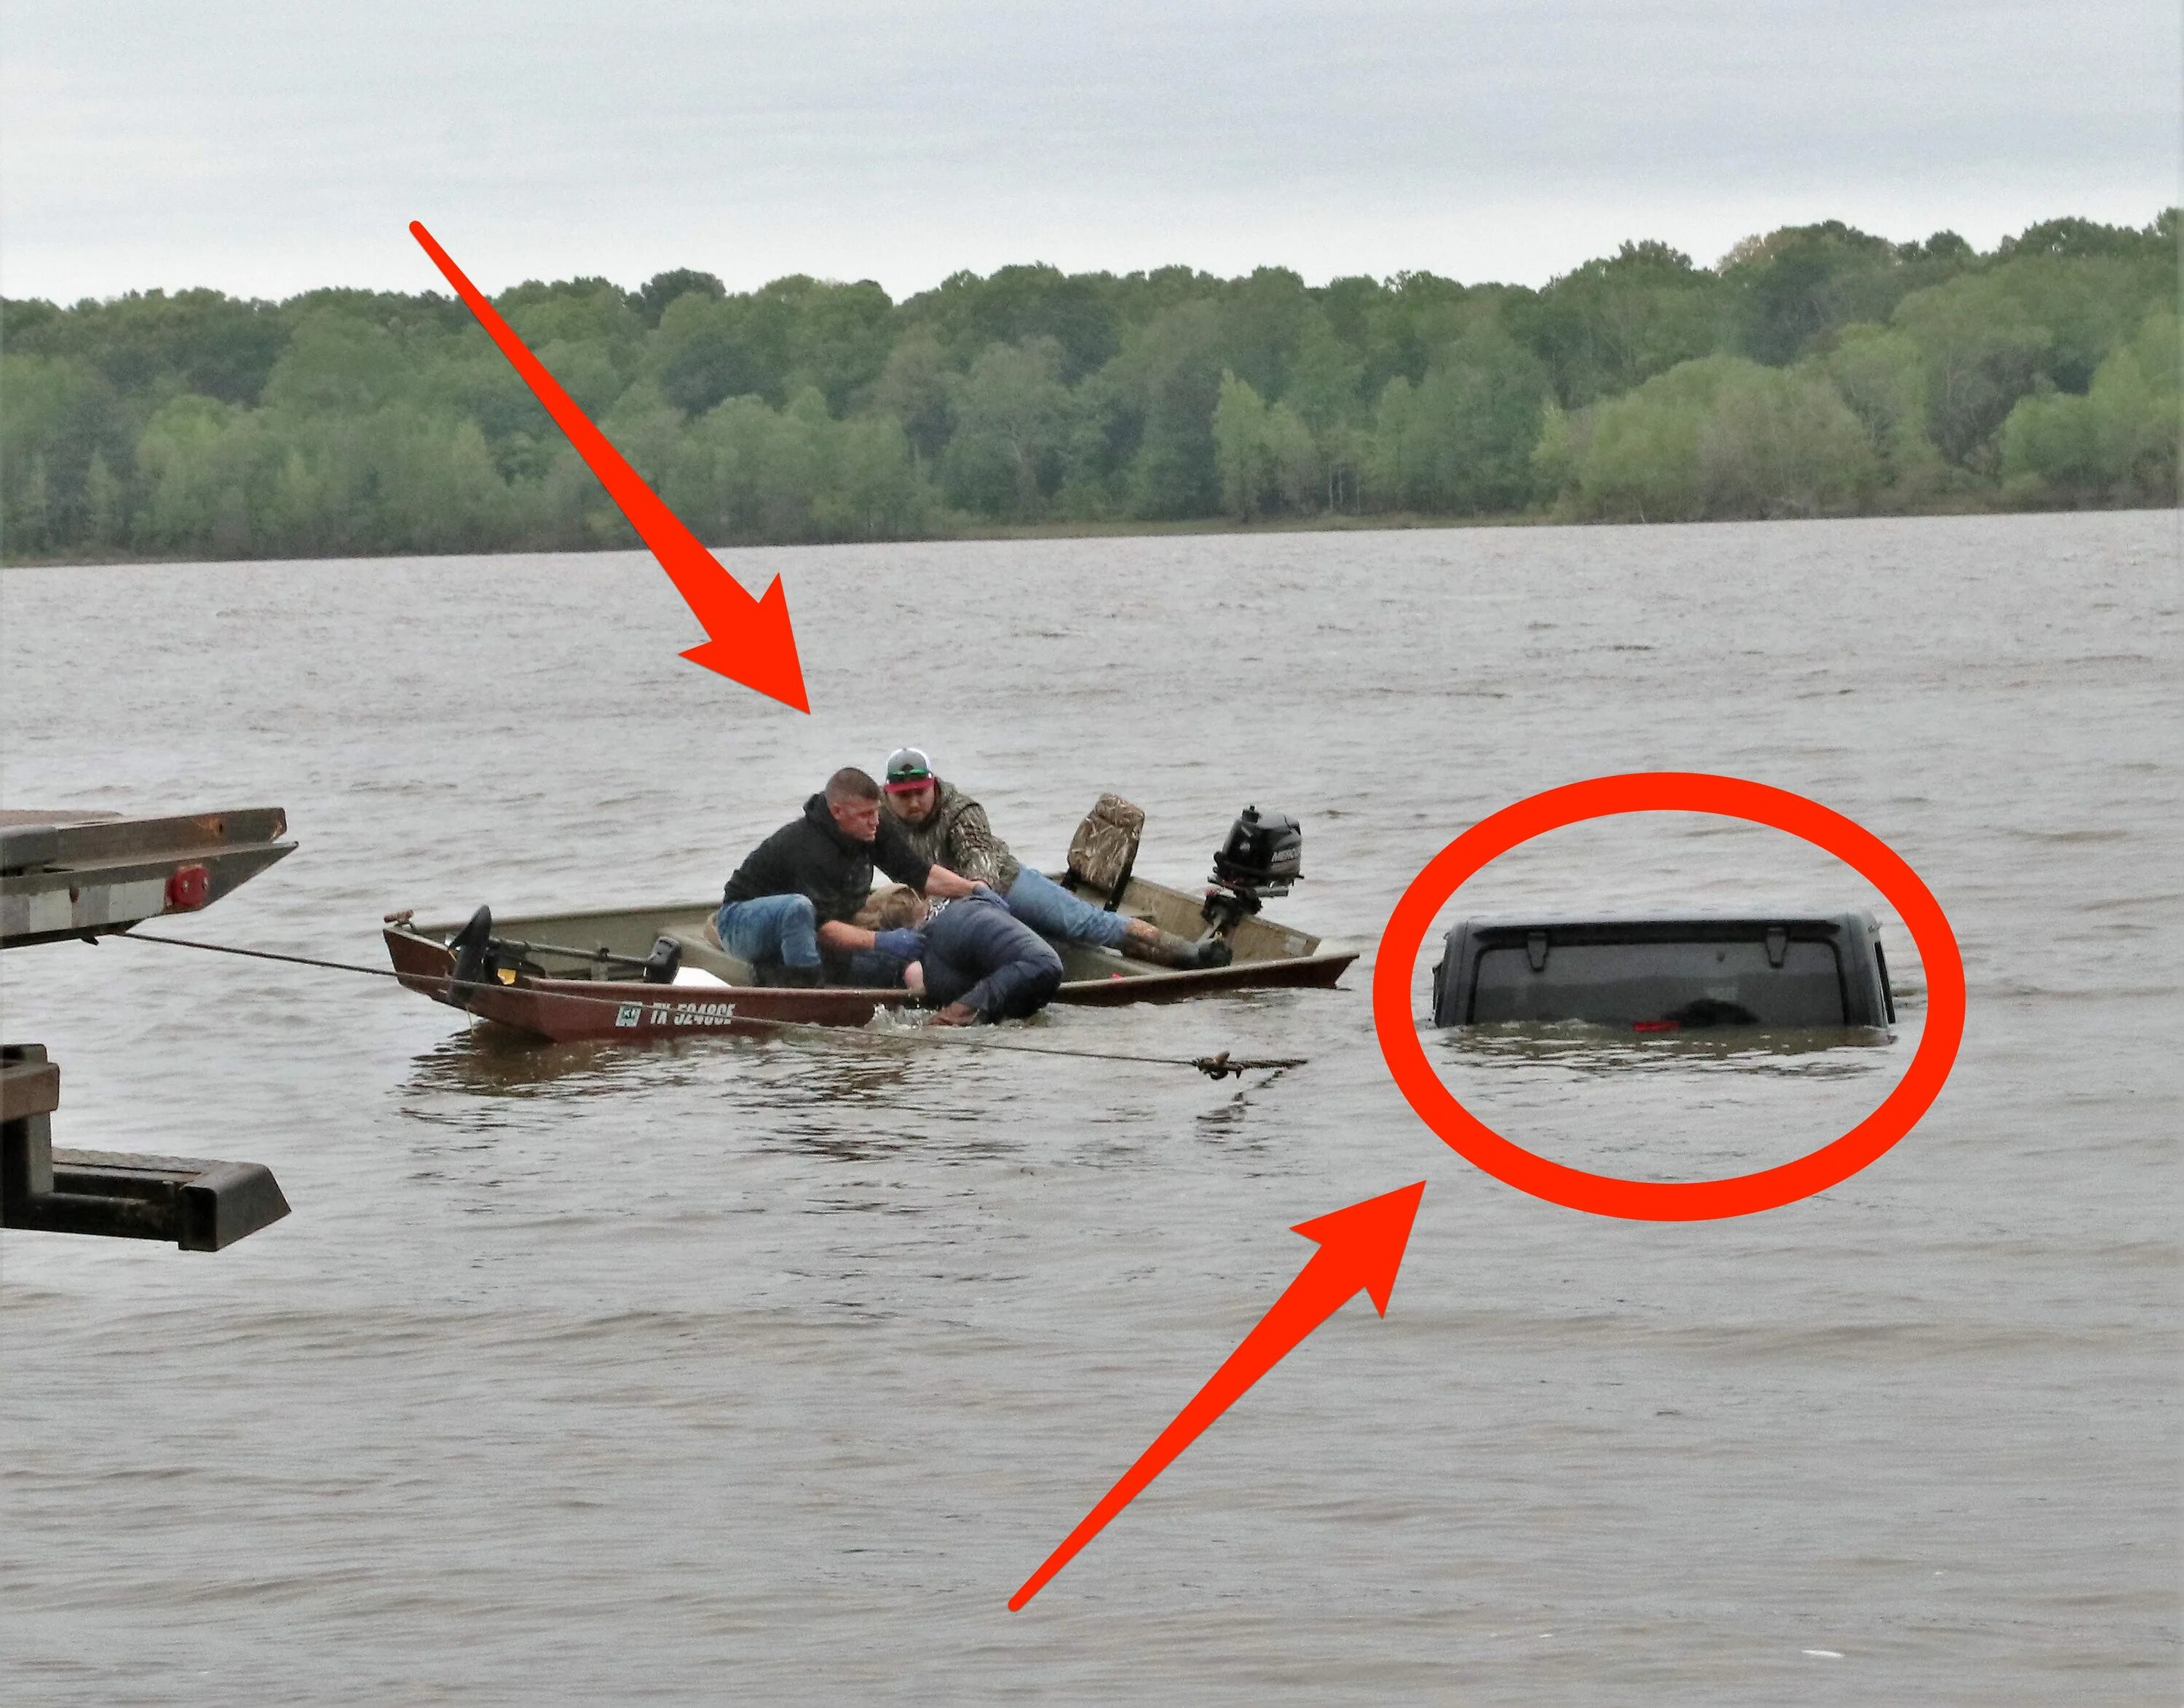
(977, 952)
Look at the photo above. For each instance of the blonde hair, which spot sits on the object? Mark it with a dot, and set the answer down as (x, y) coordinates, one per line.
(891, 909)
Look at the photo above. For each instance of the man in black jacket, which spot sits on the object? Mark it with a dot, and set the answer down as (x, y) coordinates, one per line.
(788, 909)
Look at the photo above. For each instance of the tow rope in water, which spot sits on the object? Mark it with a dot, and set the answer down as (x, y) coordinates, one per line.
(1216, 1067)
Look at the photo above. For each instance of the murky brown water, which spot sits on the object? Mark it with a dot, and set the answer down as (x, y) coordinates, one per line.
(717, 1371)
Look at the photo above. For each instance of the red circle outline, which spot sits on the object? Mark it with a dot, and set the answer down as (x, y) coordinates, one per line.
(1668, 791)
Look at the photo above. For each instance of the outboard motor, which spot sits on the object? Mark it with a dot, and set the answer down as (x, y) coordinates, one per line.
(1263, 857)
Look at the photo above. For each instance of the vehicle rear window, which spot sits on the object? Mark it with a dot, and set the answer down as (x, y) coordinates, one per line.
(1689, 984)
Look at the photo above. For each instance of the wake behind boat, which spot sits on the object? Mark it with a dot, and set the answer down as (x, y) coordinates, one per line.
(646, 972)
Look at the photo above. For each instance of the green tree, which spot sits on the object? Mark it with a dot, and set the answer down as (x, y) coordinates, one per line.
(651, 299)
(1169, 373)
(104, 498)
(876, 490)
(338, 365)
(1794, 288)
(1781, 442)
(577, 311)
(1106, 420)
(432, 483)
(1722, 437)
(1324, 378)
(769, 344)
(38, 392)
(472, 380)
(29, 513)
(968, 314)
(1613, 324)
(1013, 416)
(1239, 426)
(839, 339)
(1413, 316)
(1266, 456)
(1325, 375)
(1981, 351)
(755, 475)
(196, 340)
(2075, 239)
(1263, 323)
(917, 389)
(62, 413)
(1878, 373)
(1640, 456)
(706, 351)
(1461, 442)
(2086, 307)
(305, 507)
(586, 371)
(203, 461)
(2118, 444)
(646, 428)
(1563, 441)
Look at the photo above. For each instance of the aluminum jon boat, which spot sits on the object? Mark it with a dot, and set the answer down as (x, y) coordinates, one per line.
(640, 973)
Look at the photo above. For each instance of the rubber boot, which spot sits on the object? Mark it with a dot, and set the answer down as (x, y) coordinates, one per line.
(1168, 950)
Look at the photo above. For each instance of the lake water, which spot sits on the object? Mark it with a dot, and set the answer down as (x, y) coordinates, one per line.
(721, 1371)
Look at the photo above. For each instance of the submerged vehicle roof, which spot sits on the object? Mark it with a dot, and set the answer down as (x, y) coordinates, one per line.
(1664, 971)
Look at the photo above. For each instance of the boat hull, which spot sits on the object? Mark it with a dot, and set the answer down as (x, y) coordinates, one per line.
(563, 994)
(568, 1010)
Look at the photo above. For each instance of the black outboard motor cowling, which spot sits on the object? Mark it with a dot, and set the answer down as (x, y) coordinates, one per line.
(1263, 856)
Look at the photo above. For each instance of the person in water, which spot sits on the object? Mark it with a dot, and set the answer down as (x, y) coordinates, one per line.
(944, 824)
(973, 961)
(788, 908)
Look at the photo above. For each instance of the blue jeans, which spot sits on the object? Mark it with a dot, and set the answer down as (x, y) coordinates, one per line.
(977, 952)
(869, 970)
(1052, 912)
(771, 928)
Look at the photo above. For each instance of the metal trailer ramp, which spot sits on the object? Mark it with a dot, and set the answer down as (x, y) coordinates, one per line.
(64, 876)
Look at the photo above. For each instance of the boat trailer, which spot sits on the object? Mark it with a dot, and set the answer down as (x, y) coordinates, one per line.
(83, 876)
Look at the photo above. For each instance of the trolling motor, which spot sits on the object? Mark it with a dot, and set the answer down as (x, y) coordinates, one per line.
(1260, 858)
(664, 963)
(475, 963)
(479, 957)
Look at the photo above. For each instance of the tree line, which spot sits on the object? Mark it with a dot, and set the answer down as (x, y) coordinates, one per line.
(1816, 370)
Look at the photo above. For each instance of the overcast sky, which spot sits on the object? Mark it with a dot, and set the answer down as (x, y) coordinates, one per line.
(267, 149)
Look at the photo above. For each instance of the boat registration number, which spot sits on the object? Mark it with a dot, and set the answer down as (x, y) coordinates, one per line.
(681, 1015)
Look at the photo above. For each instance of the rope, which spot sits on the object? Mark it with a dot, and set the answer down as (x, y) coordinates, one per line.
(306, 961)
(1218, 1067)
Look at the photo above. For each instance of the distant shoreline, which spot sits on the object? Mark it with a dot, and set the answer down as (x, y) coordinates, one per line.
(1815, 370)
(984, 533)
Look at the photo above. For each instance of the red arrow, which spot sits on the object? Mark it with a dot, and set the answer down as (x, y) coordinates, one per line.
(748, 640)
(1361, 1247)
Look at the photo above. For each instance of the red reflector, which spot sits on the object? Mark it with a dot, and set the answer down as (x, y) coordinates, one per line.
(187, 886)
(1657, 1025)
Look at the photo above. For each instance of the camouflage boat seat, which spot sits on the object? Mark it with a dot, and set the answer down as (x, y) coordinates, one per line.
(1104, 849)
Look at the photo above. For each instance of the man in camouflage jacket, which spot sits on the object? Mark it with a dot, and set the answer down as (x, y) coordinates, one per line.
(946, 826)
